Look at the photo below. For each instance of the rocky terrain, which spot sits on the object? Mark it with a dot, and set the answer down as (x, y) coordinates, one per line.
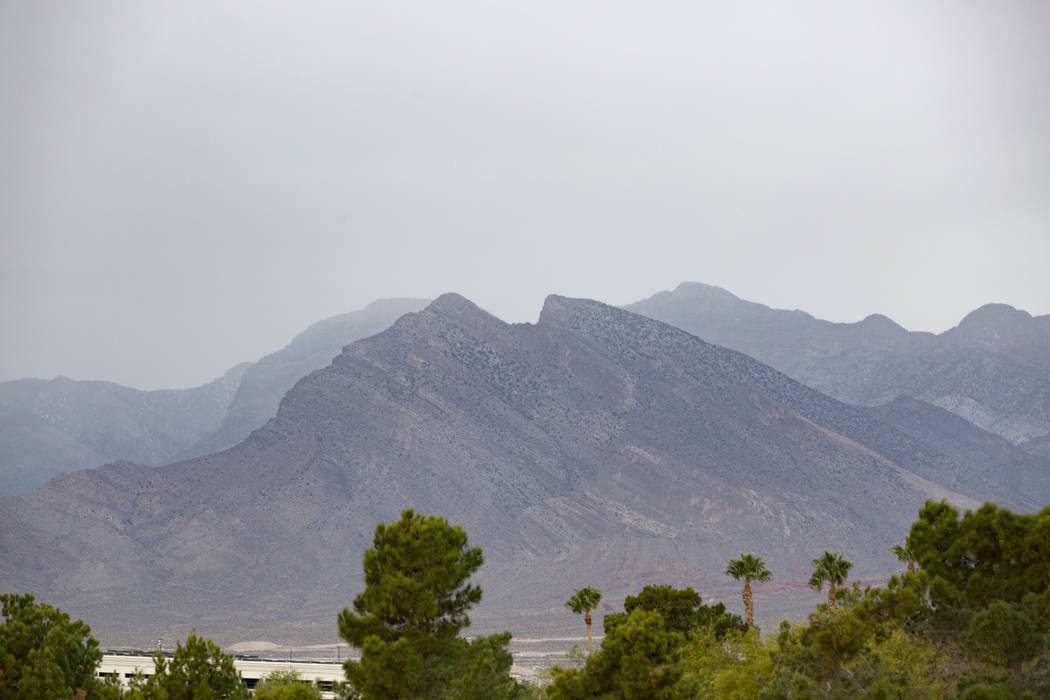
(1018, 470)
(993, 369)
(595, 447)
(267, 381)
(53, 426)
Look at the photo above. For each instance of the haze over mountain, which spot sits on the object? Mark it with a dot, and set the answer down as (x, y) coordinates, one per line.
(59, 425)
(993, 369)
(48, 427)
(1015, 469)
(595, 446)
(892, 152)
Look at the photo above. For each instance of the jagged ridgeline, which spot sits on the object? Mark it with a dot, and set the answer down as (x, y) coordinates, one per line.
(595, 445)
(993, 369)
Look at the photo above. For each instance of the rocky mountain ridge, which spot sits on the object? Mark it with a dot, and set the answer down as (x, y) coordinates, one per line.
(1017, 470)
(993, 369)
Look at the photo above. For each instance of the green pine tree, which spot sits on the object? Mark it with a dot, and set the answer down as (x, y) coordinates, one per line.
(198, 670)
(42, 653)
(407, 620)
(639, 659)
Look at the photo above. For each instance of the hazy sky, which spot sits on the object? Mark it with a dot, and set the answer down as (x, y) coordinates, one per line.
(185, 185)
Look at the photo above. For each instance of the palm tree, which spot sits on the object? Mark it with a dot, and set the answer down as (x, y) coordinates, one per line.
(583, 601)
(830, 567)
(905, 553)
(750, 568)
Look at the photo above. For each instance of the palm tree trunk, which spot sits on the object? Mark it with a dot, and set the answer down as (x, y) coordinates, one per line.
(911, 566)
(749, 604)
(832, 603)
(587, 619)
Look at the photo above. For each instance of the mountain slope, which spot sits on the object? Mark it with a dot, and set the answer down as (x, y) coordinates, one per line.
(1016, 469)
(993, 369)
(593, 446)
(52, 426)
(49, 427)
(265, 382)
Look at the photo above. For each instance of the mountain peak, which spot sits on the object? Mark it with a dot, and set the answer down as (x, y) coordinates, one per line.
(994, 316)
(699, 289)
(882, 323)
(554, 309)
(460, 310)
(454, 304)
(559, 310)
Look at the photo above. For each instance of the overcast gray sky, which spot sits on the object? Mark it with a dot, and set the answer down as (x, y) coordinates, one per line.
(187, 184)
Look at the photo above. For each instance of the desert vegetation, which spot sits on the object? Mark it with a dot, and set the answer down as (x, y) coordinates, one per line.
(968, 619)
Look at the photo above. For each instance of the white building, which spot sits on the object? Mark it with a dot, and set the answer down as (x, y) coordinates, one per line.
(125, 665)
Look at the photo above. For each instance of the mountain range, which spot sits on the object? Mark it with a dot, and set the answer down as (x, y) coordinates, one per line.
(993, 369)
(596, 446)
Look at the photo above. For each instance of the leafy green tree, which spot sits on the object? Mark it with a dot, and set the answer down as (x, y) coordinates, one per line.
(407, 620)
(678, 607)
(42, 653)
(989, 554)
(836, 636)
(682, 610)
(583, 601)
(971, 622)
(733, 665)
(749, 568)
(830, 568)
(198, 670)
(990, 685)
(483, 671)
(1006, 637)
(985, 577)
(639, 659)
(843, 654)
(285, 685)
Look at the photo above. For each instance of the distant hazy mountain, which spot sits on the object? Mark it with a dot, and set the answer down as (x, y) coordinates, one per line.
(49, 427)
(594, 447)
(1016, 469)
(267, 381)
(58, 425)
(993, 369)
